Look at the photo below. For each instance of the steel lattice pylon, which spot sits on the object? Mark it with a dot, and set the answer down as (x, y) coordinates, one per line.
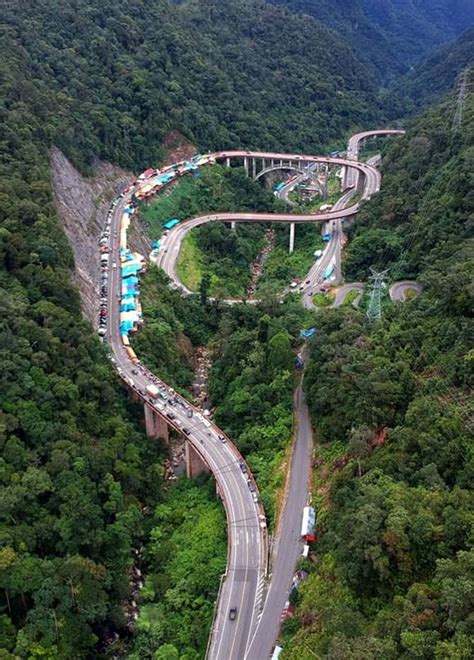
(374, 311)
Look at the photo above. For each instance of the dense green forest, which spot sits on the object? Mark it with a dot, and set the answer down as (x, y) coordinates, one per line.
(394, 574)
(432, 78)
(390, 35)
(76, 471)
(185, 559)
(81, 486)
(108, 80)
(212, 251)
(252, 381)
(116, 76)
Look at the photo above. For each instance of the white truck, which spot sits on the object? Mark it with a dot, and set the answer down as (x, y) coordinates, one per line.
(152, 390)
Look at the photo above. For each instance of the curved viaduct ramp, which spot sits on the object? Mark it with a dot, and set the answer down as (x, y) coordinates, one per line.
(247, 548)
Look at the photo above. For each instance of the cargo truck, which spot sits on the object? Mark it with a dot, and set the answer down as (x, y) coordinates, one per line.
(153, 391)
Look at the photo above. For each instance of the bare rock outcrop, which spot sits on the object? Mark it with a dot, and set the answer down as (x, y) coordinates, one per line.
(82, 204)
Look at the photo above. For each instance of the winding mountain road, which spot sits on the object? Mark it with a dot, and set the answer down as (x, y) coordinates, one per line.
(252, 632)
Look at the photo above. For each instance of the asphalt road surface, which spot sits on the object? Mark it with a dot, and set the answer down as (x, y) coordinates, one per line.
(288, 543)
(252, 633)
(398, 291)
(247, 537)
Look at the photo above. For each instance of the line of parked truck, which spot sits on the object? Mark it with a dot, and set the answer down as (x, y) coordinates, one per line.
(104, 249)
(152, 180)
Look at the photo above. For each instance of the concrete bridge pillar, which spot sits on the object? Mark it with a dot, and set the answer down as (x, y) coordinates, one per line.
(359, 181)
(344, 177)
(292, 237)
(233, 225)
(156, 426)
(194, 463)
(272, 163)
(246, 165)
(254, 167)
(227, 162)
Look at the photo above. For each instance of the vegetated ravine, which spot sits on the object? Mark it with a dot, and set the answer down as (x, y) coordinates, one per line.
(79, 479)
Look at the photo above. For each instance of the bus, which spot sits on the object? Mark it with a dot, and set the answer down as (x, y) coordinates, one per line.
(328, 272)
(171, 223)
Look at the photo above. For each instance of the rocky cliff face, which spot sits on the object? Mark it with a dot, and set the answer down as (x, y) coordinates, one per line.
(82, 204)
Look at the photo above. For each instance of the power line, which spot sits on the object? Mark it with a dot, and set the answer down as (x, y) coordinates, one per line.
(374, 311)
(458, 114)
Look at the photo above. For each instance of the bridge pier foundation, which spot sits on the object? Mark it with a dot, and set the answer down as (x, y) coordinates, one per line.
(227, 162)
(292, 237)
(194, 463)
(155, 425)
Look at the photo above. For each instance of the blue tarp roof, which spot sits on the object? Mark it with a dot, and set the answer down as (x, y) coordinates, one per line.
(130, 270)
(129, 280)
(128, 306)
(164, 178)
(125, 326)
(308, 333)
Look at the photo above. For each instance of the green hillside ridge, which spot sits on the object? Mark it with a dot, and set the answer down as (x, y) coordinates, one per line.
(392, 407)
(390, 35)
(223, 72)
(432, 78)
(82, 487)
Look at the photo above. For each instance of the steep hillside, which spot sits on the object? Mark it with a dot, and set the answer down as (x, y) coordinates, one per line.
(120, 75)
(107, 80)
(390, 35)
(392, 406)
(432, 77)
(82, 205)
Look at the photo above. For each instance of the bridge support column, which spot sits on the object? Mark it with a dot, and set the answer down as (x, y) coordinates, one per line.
(292, 237)
(272, 163)
(360, 182)
(344, 177)
(246, 165)
(156, 426)
(254, 168)
(227, 162)
(194, 463)
(233, 225)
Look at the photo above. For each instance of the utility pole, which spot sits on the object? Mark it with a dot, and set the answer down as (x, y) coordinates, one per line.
(374, 311)
(463, 85)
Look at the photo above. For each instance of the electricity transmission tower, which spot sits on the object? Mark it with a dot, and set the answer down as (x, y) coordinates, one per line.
(374, 311)
(463, 89)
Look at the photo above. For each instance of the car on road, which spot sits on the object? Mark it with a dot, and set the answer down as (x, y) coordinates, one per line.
(170, 415)
(242, 466)
(251, 486)
(186, 430)
(189, 413)
(222, 438)
(232, 613)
